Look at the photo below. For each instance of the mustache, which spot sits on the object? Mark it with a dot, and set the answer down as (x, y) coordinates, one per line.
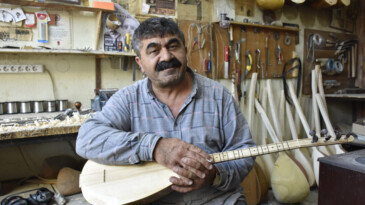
(173, 63)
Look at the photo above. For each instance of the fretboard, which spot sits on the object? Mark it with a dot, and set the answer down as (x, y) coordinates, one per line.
(274, 148)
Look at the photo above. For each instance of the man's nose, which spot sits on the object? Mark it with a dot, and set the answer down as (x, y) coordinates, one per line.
(166, 55)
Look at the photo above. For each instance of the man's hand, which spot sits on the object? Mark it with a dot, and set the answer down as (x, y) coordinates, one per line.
(188, 161)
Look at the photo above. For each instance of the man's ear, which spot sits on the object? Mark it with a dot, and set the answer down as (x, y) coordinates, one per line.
(138, 61)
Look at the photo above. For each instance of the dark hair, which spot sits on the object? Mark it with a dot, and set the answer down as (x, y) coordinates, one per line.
(154, 27)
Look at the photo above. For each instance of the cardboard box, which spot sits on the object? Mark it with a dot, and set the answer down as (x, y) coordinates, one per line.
(358, 128)
(103, 5)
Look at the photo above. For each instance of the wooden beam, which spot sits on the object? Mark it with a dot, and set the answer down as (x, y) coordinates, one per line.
(98, 73)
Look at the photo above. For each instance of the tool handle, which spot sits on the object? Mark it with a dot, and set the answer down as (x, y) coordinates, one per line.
(249, 58)
(226, 53)
(205, 67)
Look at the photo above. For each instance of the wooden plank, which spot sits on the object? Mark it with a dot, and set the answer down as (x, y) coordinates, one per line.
(39, 132)
(54, 6)
(98, 28)
(280, 28)
(100, 54)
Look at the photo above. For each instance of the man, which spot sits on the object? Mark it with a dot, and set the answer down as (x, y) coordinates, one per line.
(175, 117)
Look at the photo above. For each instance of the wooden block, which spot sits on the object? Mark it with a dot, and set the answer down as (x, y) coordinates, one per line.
(342, 179)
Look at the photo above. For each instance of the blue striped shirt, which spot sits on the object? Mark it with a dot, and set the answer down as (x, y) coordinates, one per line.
(133, 120)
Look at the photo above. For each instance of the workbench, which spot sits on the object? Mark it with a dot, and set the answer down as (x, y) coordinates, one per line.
(26, 136)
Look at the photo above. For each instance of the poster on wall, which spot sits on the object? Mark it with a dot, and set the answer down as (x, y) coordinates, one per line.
(60, 32)
(162, 7)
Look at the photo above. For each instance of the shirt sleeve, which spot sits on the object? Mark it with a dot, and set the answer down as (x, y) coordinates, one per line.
(237, 136)
(107, 137)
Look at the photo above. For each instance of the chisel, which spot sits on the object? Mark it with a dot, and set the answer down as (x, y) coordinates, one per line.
(266, 54)
(226, 63)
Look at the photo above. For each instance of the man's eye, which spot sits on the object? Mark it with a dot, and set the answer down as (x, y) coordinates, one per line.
(173, 47)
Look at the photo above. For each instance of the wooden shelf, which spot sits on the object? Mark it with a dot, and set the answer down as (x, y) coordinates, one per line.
(65, 51)
(282, 28)
(69, 7)
(346, 96)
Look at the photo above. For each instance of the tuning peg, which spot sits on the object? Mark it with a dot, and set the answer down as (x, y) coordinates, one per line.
(349, 134)
(338, 135)
(314, 136)
(324, 133)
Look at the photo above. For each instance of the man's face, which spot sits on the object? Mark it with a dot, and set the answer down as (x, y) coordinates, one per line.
(163, 60)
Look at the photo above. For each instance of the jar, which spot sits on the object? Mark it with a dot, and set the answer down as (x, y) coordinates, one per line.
(25, 107)
(51, 106)
(62, 105)
(12, 107)
(38, 106)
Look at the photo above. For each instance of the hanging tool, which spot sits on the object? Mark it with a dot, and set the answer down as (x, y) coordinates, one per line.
(238, 71)
(287, 40)
(278, 51)
(127, 42)
(226, 63)
(248, 68)
(231, 48)
(258, 69)
(279, 54)
(210, 63)
(267, 54)
(296, 64)
(205, 66)
(258, 60)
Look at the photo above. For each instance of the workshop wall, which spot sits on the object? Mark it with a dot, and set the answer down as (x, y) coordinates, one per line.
(74, 75)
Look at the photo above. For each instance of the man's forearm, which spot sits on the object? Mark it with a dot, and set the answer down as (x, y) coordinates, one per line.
(107, 145)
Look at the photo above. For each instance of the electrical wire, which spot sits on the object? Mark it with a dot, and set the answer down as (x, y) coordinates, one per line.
(52, 82)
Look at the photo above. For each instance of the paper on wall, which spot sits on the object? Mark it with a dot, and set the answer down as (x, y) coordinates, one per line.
(145, 8)
(30, 20)
(6, 15)
(18, 14)
(60, 35)
(17, 34)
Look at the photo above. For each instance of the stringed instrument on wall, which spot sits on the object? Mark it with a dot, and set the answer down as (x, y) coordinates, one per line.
(146, 182)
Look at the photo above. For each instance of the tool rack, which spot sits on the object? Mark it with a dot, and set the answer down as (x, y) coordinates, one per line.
(346, 78)
(254, 35)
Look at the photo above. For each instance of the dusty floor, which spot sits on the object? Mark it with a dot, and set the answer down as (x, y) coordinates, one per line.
(78, 199)
(312, 199)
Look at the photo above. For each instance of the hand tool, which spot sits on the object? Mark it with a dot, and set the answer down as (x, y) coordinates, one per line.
(238, 70)
(231, 48)
(278, 51)
(226, 63)
(258, 69)
(248, 68)
(279, 54)
(267, 54)
(205, 66)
